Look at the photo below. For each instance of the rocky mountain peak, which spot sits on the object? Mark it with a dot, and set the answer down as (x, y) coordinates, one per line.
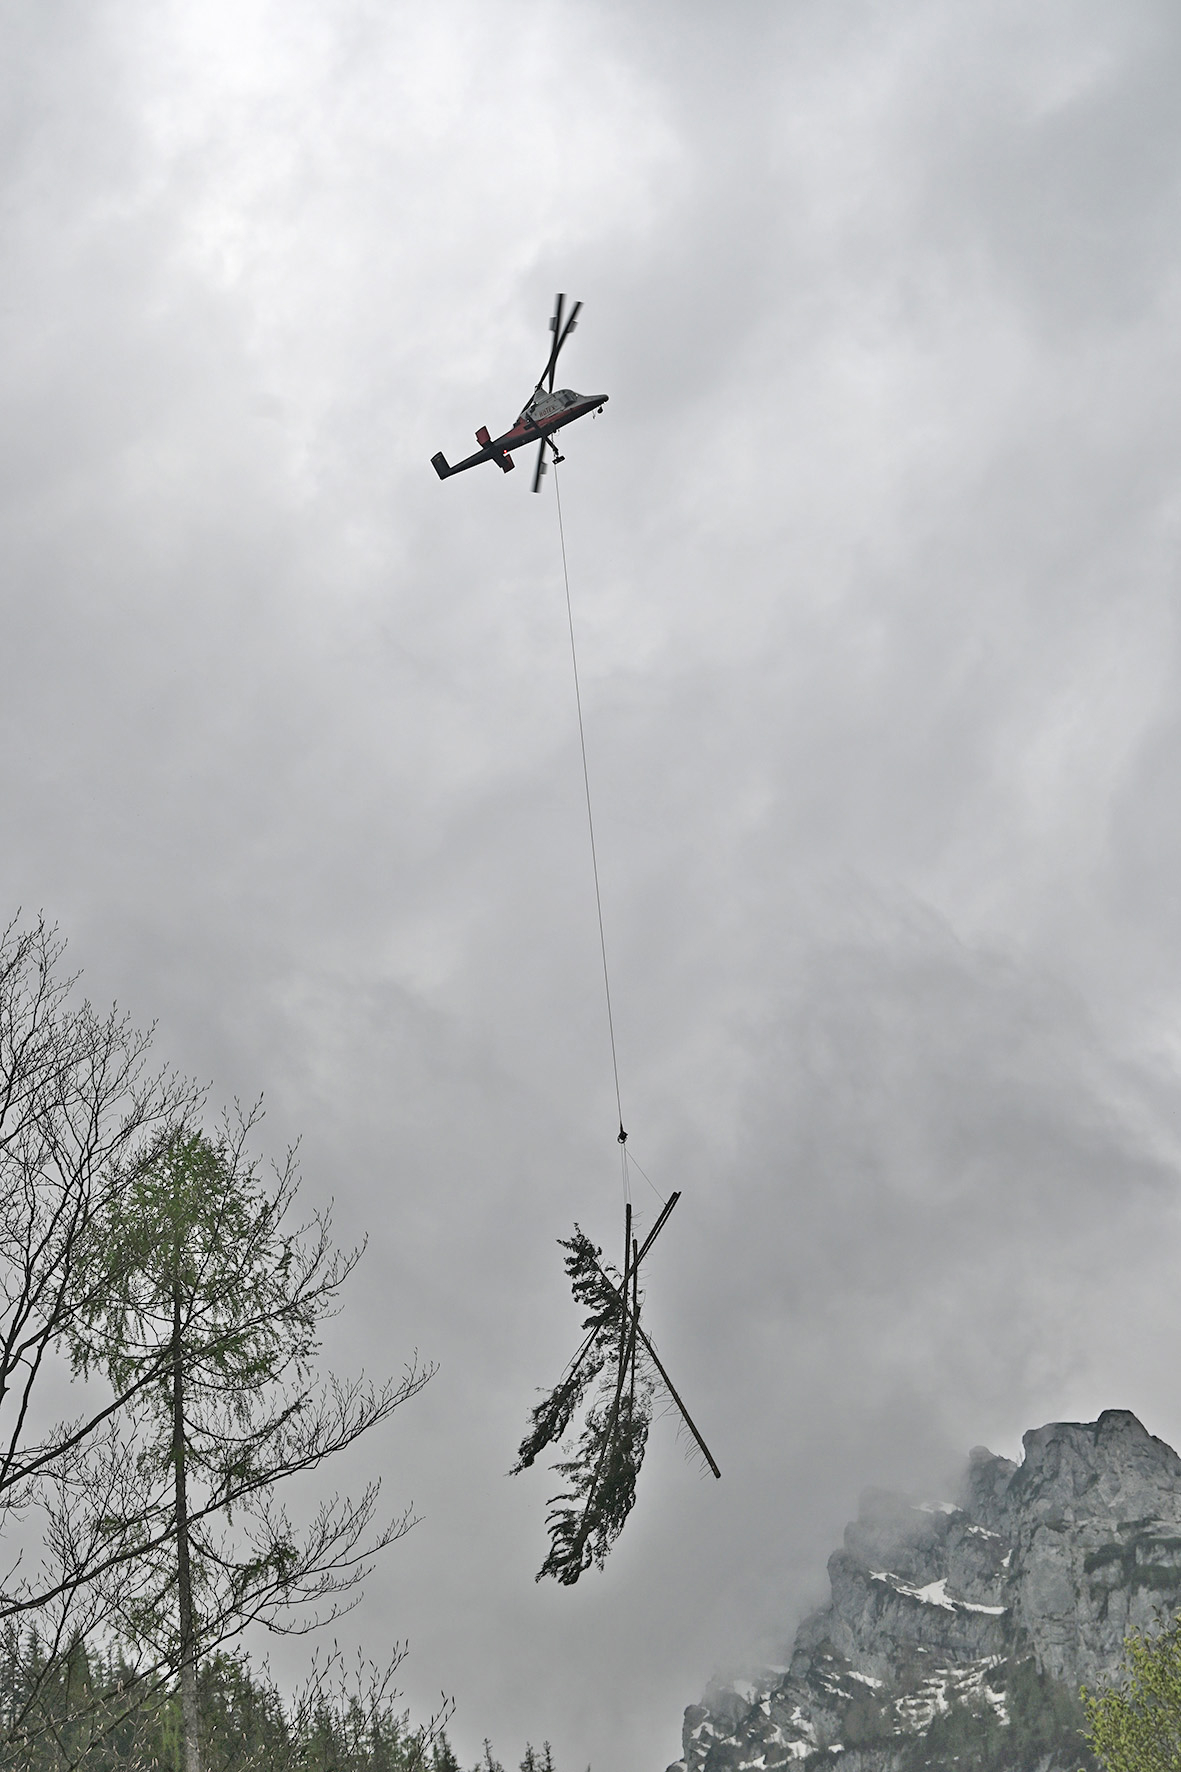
(1110, 1468)
(969, 1620)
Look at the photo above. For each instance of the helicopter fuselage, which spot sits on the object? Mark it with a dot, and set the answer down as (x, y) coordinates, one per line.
(544, 414)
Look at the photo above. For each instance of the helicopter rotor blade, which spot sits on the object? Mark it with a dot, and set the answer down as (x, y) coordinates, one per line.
(541, 467)
(555, 326)
(561, 334)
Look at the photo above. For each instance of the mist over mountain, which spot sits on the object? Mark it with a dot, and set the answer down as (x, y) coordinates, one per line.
(961, 1630)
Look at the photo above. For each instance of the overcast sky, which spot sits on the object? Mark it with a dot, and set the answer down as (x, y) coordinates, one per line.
(873, 557)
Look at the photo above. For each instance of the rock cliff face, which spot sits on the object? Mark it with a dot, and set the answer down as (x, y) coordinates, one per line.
(961, 1631)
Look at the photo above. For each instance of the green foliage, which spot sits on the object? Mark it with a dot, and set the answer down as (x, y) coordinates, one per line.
(532, 1762)
(193, 1232)
(95, 1715)
(62, 1707)
(1135, 1724)
(594, 1290)
(587, 1517)
(442, 1758)
(204, 1310)
(212, 1305)
(618, 1369)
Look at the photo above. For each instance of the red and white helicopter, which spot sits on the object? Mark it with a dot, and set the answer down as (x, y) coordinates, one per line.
(545, 413)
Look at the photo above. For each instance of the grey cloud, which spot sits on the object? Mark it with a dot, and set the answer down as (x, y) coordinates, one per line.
(872, 557)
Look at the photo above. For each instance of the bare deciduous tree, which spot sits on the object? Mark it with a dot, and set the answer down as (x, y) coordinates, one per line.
(79, 1109)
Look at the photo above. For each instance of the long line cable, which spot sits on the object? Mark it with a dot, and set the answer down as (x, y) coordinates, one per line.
(590, 822)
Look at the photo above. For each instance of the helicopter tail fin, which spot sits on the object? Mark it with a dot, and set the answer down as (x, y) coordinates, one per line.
(440, 465)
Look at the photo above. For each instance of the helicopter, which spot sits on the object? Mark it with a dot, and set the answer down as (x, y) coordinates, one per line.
(545, 412)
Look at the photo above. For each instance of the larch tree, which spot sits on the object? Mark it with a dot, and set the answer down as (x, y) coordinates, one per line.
(205, 1311)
